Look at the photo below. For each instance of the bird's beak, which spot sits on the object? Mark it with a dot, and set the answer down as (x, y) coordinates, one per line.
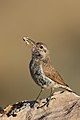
(29, 41)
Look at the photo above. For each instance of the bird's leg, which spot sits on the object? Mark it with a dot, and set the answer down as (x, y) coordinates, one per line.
(51, 92)
(39, 94)
(35, 101)
(49, 97)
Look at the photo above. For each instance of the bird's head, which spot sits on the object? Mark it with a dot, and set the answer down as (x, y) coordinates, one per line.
(39, 49)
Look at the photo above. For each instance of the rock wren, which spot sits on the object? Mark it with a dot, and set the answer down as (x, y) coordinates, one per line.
(41, 69)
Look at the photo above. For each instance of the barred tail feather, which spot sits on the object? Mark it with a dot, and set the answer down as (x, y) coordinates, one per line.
(68, 88)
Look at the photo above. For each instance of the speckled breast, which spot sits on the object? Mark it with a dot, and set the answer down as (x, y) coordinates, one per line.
(38, 74)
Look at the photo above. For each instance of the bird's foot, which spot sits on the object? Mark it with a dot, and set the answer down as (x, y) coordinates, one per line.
(47, 102)
(32, 103)
(49, 99)
(61, 92)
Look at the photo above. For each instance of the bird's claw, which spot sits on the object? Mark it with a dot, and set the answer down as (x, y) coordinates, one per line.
(46, 103)
(33, 103)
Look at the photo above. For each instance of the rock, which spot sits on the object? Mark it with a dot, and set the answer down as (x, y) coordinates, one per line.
(62, 106)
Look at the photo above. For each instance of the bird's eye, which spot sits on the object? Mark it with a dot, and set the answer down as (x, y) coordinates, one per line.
(41, 47)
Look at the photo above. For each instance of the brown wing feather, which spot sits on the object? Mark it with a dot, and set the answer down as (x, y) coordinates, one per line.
(53, 75)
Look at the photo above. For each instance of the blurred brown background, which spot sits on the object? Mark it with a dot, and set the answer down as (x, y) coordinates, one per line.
(56, 23)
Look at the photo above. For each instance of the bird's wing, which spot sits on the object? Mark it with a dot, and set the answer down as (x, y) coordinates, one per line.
(53, 75)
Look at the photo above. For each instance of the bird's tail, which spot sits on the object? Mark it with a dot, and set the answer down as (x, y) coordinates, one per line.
(68, 88)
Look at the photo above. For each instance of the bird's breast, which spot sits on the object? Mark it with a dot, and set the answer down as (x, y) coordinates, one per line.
(38, 75)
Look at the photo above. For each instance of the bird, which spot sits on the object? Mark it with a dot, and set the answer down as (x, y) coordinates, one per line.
(41, 69)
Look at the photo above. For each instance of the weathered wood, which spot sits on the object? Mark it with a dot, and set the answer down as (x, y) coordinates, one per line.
(62, 106)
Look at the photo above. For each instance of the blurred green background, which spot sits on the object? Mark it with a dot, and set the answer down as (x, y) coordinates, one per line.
(54, 22)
